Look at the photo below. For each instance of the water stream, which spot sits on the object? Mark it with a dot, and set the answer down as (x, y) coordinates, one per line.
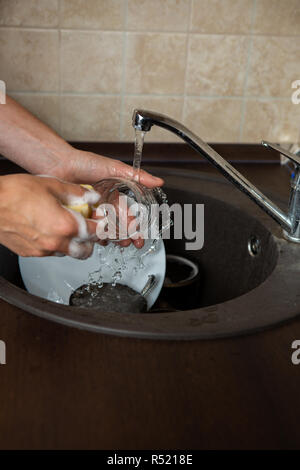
(138, 150)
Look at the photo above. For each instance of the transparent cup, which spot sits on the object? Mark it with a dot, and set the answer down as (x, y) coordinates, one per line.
(127, 209)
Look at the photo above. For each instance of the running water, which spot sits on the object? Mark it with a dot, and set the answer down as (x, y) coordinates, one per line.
(138, 150)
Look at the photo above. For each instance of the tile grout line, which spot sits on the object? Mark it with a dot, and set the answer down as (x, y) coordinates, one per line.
(189, 24)
(124, 58)
(152, 95)
(60, 67)
(244, 102)
(97, 30)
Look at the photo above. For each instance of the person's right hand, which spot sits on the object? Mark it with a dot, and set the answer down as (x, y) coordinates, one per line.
(34, 222)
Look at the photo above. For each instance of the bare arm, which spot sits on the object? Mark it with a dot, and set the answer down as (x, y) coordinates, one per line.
(29, 142)
(33, 220)
(34, 146)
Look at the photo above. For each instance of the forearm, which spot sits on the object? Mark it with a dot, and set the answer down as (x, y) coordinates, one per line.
(30, 143)
(34, 146)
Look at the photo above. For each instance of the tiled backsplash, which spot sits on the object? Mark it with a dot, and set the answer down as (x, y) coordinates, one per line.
(223, 67)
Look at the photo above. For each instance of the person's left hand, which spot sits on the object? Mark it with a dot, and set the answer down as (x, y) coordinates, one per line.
(87, 167)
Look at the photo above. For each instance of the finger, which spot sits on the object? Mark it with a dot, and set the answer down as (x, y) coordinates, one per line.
(117, 215)
(75, 248)
(123, 214)
(72, 194)
(80, 250)
(103, 242)
(149, 180)
(85, 229)
(124, 243)
(139, 242)
(103, 229)
(92, 229)
(125, 171)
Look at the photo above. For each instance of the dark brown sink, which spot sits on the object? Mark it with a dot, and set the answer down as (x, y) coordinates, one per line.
(248, 274)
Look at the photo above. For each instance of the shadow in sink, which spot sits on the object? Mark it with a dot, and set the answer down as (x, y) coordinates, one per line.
(239, 253)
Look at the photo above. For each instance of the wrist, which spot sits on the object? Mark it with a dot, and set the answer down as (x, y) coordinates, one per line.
(59, 162)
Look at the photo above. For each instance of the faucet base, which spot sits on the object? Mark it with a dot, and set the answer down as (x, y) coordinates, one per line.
(290, 238)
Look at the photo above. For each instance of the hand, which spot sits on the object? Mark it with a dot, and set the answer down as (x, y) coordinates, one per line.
(34, 222)
(87, 167)
(34, 146)
(121, 218)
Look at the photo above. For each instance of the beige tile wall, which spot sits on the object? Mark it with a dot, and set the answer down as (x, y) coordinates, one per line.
(223, 67)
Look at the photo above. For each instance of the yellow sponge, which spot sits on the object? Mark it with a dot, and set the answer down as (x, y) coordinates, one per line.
(84, 209)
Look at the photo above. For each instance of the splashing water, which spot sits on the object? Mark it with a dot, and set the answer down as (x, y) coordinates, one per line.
(113, 261)
(117, 276)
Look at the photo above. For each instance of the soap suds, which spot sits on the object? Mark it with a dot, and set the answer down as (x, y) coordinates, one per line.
(89, 197)
(80, 247)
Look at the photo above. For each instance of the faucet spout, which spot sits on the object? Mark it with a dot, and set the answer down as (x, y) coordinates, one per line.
(143, 120)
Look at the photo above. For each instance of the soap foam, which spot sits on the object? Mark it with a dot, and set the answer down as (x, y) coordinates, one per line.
(79, 249)
(89, 197)
(80, 246)
(82, 233)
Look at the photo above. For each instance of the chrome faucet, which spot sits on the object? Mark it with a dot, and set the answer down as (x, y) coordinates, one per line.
(290, 222)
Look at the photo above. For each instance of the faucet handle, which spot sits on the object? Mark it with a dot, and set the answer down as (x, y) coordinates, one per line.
(292, 156)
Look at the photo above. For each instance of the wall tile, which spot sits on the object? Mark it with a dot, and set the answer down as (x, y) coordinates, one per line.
(97, 67)
(217, 64)
(222, 16)
(158, 15)
(278, 121)
(42, 13)
(44, 107)
(277, 17)
(29, 59)
(155, 63)
(274, 65)
(91, 61)
(214, 120)
(172, 106)
(102, 14)
(90, 118)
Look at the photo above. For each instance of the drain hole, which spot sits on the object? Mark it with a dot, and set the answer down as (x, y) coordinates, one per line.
(254, 246)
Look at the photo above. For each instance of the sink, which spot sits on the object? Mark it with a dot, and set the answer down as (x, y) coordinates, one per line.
(248, 273)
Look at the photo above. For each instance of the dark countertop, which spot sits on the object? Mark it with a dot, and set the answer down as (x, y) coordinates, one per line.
(66, 388)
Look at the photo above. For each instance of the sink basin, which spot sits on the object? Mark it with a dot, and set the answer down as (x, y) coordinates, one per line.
(248, 273)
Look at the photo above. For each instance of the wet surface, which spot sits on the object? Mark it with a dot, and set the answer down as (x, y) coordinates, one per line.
(109, 298)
